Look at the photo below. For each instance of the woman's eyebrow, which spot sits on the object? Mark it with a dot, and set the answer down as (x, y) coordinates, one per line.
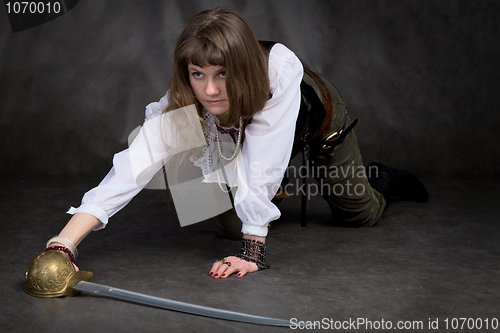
(200, 69)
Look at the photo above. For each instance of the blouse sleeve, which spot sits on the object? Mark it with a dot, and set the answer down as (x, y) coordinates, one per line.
(268, 144)
(132, 169)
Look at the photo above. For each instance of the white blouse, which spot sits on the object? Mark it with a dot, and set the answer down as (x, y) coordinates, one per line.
(265, 153)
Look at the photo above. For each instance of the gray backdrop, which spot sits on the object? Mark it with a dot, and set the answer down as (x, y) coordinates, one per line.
(421, 76)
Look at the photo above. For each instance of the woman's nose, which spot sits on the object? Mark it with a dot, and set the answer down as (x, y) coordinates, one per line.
(212, 88)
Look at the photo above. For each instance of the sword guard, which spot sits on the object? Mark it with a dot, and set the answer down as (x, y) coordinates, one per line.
(74, 279)
(52, 274)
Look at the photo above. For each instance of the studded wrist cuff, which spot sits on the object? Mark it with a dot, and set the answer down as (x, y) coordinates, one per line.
(254, 251)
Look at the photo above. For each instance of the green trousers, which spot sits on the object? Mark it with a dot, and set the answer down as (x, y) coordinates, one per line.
(340, 179)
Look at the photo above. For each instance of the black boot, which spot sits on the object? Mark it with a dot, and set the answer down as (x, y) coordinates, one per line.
(394, 182)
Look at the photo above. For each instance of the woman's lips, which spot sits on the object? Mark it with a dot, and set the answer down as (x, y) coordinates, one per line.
(215, 102)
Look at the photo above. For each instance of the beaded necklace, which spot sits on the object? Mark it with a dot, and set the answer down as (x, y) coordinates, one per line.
(234, 157)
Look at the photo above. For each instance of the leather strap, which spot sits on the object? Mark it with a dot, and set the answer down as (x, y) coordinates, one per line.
(327, 103)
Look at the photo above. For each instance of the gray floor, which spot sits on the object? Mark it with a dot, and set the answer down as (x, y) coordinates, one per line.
(421, 263)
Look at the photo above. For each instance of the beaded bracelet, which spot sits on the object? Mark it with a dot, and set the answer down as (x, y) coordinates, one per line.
(254, 251)
(62, 249)
(64, 242)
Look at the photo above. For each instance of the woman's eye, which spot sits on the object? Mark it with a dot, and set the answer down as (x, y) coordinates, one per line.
(197, 75)
(222, 74)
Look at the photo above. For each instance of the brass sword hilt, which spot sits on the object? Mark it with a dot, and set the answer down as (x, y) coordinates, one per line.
(52, 274)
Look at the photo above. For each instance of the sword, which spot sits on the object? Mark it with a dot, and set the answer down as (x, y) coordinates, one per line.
(52, 274)
(99, 289)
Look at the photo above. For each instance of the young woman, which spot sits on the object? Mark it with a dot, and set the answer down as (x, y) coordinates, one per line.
(254, 96)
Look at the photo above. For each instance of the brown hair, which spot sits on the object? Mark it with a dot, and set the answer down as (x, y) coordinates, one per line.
(222, 37)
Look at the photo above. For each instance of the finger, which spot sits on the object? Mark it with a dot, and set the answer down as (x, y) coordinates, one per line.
(242, 272)
(228, 272)
(222, 268)
(76, 267)
(215, 267)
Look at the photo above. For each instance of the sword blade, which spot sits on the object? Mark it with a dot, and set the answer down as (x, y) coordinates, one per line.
(99, 289)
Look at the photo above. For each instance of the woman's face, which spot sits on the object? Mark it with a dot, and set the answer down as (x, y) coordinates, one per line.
(209, 87)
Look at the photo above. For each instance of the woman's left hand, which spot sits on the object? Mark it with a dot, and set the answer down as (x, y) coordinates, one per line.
(230, 265)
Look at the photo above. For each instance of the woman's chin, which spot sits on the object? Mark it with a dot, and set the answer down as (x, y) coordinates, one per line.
(217, 111)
